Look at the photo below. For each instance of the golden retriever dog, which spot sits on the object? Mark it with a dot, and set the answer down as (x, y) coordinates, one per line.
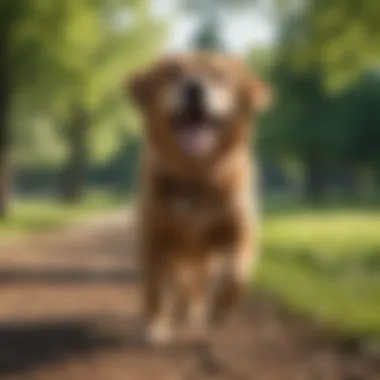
(196, 214)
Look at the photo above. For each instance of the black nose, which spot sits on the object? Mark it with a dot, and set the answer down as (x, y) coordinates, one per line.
(193, 94)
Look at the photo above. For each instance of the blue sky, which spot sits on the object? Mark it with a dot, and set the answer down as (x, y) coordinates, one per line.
(241, 30)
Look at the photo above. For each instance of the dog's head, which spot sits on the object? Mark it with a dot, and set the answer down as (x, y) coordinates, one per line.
(197, 104)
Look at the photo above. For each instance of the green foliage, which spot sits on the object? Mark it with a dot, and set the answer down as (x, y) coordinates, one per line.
(338, 36)
(357, 110)
(326, 264)
(209, 14)
(68, 53)
(38, 142)
(262, 62)
(309, 122)
(208, 37)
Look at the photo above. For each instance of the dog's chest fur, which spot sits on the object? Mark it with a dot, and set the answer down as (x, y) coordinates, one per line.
(187, 199)
(193, 213)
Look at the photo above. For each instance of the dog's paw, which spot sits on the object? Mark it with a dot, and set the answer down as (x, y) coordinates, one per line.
(159, 333)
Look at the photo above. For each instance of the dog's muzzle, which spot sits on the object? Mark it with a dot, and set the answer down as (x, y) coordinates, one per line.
(194, 98)
(198, 113)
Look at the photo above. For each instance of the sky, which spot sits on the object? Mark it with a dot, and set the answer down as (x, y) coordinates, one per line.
(242, 31)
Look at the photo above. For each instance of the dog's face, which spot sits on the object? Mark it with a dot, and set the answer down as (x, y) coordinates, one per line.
(197, 104)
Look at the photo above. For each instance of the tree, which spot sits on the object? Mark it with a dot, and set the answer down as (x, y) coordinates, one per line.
(35, 52)
(208, 37)
(312, 124)
(97, 87)
(341, 37)
(6, 17)
(4, 119)
(209, 14)
(60, 60)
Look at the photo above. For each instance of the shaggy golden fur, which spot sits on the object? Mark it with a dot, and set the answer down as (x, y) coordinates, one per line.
(196, 212)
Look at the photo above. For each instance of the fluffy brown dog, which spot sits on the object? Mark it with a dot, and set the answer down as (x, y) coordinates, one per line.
(196, 212)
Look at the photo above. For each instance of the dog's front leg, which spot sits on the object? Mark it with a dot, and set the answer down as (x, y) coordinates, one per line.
(198, 294)
(236, 273)
(158, 300)
(160, 327)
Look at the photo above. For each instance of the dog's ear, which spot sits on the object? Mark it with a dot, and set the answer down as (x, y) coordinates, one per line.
(143, 86)
(261, 95)
(139, 87)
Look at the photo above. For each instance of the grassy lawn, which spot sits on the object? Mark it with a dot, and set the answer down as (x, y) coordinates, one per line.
(33, 215)
(325, 263)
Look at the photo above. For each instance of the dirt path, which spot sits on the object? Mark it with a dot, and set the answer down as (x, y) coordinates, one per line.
(69, 311)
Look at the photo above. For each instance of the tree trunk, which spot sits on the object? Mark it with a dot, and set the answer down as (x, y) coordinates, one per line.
(314, 180)
(74, 173)
(4, 130)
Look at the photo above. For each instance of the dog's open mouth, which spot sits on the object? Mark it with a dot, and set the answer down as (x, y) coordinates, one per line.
(195, 132)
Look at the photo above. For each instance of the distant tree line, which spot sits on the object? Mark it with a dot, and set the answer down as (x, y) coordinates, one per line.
(62, 107)
(65, 123)
(326, 119)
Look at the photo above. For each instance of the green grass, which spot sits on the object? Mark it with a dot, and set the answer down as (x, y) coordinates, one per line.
(33, 215)
(325, 263)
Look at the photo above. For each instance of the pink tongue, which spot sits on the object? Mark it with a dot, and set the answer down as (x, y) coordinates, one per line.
(196, 140)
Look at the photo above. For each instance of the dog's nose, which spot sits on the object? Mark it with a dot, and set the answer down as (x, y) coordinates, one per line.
(193, 93)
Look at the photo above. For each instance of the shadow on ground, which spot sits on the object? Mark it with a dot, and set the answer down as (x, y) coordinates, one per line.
(26, 346)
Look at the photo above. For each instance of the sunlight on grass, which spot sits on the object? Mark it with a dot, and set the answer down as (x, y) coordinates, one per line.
(42, 214)
(334, 232)
(326, 264)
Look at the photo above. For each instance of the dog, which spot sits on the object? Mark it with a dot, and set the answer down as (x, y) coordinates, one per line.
(197, 214)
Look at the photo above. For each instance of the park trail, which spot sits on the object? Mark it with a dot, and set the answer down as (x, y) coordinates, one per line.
(69, 310)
